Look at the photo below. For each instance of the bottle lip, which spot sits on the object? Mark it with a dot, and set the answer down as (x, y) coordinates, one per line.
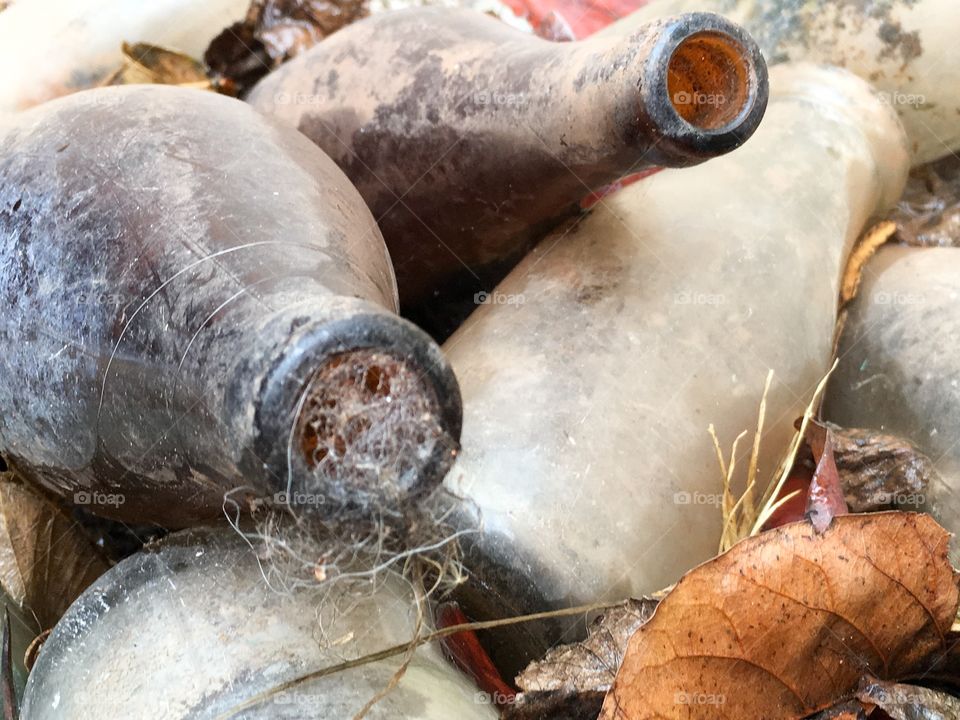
(705, 88)
(366, 330)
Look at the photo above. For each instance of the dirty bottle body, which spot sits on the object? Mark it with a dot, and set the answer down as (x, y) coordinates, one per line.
(192, 332)
(469, 140)
(192, 629)
(898, 368)
(585, 445)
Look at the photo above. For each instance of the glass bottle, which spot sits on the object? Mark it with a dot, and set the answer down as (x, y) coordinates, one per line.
(200, 311)
(469, 139)
(193, 628)
(591, 374)
(898, 368)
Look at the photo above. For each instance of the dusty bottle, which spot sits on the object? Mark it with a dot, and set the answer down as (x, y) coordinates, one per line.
(898, 369)
(191, 629)
(906, 49)
(469, 139)
(590, 378)
(197, 303)
(49, 48)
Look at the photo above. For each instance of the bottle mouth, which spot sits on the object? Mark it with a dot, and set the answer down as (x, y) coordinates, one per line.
(368, 428)
(360, 420)
(708, 81)
(707, 87)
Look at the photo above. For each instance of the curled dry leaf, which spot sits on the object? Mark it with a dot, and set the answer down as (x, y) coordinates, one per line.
(273, 32)
(589, 665)
(787, 622)
(866, 247)
(909, 702)
(813, 489)
(45, 559)
(929, 211)
(850, 710)
(825, 499)
(878, 471)
(570, 682)
(150, 64)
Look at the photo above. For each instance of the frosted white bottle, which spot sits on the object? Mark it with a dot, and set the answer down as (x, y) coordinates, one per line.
(191, 629)
(50, 48)
(899, 368)
(908, 49)
(590, 375)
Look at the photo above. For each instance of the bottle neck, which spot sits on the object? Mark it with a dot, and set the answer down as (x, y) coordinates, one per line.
(673, 93)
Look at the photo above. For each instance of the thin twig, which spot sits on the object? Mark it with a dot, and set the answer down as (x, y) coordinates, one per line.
(404, 647)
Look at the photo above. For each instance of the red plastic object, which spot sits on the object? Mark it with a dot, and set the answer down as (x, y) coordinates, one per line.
(465, 651)
(553, 18)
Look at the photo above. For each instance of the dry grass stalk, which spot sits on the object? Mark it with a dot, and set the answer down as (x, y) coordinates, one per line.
(746, 516)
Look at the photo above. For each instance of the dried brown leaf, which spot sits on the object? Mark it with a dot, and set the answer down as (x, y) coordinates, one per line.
(557, 705)
(150, 64)
(866, 246)
(945, 671)
(273, 32)
(909, 702)
(570, 682)
(878, 471)
(45, 559)
(928, 213)
(825, 499)
(850, 710)
(786, 623)
(589, 665)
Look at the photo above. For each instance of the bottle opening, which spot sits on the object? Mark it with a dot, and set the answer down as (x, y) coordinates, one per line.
(709, 80)
(369, 426)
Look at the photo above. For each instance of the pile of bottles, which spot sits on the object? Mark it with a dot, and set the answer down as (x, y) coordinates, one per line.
(375, 278)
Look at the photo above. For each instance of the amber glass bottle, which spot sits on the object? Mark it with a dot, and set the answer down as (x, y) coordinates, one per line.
(469, 140)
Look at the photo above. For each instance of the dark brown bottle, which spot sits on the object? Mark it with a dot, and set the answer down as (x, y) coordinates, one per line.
(469, 139)
(199, 311)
